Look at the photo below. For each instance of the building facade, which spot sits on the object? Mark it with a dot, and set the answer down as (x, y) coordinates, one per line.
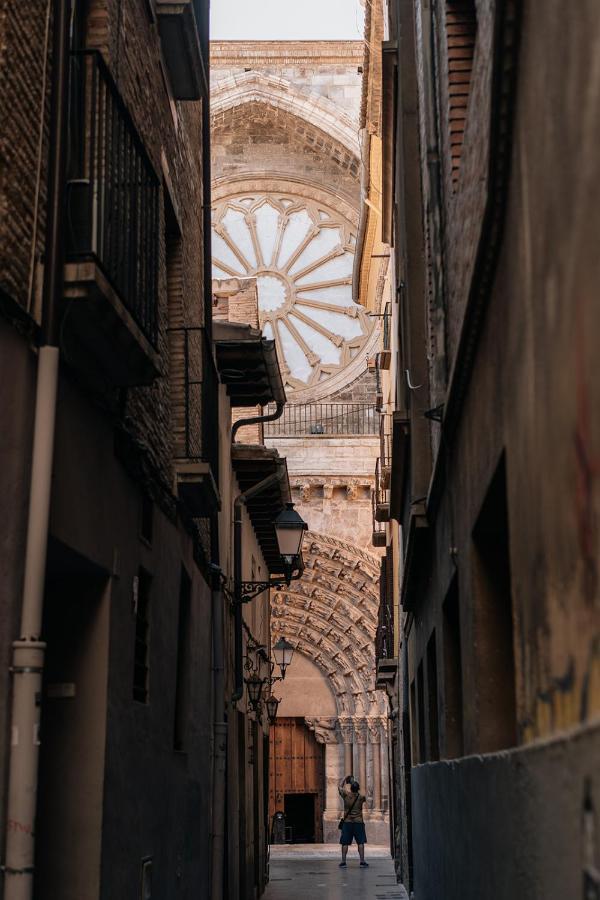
(489, 622)
(287, 131)
(131, 763)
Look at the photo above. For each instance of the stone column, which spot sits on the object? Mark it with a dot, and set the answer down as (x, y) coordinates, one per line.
(347, 733)
(360, 731)
(325, 733)
(375, 741)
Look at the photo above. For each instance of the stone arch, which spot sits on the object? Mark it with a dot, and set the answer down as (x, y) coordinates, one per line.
(279, 93)
(330, 615)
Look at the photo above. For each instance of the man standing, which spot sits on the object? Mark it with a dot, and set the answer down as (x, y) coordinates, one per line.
(352, 823)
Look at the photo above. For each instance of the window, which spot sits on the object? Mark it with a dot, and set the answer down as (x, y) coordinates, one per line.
(301, 253)
(146, 879)
(146, 519)
(461, 32)
(453, 701)
(494, 620)
(141, 660)
(433, 747)
(413, 723)
(182, 678)
(421, 713)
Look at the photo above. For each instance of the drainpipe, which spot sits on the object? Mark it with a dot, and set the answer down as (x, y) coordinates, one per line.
(28, 651)
(219, 739)
(257, 420)
(240, 500)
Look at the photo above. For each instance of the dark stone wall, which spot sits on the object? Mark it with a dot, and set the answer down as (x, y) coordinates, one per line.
(112, 448)
(508, 826)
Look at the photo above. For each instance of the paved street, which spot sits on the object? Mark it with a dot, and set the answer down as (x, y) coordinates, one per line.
(312, 871)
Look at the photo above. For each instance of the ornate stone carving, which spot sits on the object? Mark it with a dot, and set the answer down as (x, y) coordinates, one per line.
(299, 252)
(360, 731)
(346, 729)
(374, 726)
(324, 729)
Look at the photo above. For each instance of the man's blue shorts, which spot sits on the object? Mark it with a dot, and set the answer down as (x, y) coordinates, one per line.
(354, 830)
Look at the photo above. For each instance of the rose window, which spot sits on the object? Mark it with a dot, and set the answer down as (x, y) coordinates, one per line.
(301, 254)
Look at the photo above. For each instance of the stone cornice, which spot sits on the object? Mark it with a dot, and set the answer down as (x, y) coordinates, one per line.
(225, 54)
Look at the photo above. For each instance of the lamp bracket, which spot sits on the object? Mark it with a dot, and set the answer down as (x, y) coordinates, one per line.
(252, 589)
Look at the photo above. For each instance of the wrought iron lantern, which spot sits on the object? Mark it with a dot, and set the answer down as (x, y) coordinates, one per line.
(283, 653)
(290, 528)
(254, 684)
(272, 702)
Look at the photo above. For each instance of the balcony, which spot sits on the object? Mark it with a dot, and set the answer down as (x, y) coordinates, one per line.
(194, 425)
(111, 273)
(329, 419)
(180, 25)
(387, 662)
(379, 535)
(384, 357)
(382, 493)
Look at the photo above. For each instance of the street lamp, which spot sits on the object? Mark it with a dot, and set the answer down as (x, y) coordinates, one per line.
(283, 653)
(255, 686)
(290, 528)
(272, 702)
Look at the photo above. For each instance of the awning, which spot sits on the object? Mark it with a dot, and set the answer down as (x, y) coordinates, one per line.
(251, 464)
(247, 364)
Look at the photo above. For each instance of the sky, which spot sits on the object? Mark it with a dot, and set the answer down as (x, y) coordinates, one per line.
(255, 20)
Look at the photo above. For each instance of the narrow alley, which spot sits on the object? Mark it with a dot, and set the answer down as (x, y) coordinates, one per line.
(299, 450)
(301, 872)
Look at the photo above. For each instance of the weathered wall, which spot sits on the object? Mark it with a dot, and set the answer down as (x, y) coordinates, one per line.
(508, 825)
(529, 403)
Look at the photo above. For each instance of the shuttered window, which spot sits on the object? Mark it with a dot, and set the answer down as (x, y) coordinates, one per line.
(461, 33)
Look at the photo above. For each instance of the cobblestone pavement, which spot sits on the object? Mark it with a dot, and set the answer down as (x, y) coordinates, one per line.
(311, 872)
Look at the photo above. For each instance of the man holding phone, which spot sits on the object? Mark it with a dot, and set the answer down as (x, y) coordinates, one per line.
(352, 823)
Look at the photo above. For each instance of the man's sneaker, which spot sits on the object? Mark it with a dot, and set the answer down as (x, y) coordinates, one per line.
(343, 865)
(364, 865)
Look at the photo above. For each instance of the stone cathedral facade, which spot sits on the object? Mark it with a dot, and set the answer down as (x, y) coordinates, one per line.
(287, 168)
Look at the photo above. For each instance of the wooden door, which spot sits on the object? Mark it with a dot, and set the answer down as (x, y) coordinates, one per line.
(296, 767)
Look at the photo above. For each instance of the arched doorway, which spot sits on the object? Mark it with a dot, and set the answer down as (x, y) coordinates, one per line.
(297, 780)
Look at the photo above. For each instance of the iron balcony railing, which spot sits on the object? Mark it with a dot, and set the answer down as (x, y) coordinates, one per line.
(382, 493)
(384, 636)
(194, 387)
(387, 325)
(113, 191)
(324, 418)
(379, 534)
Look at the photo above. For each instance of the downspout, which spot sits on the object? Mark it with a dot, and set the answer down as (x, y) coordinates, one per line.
(219, 738)
(239, 502)
(257, 420)
(28, 651)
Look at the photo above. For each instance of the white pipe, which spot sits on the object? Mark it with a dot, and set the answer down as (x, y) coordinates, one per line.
(28, 651)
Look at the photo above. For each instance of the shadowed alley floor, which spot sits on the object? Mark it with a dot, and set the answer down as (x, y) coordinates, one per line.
(306, 871)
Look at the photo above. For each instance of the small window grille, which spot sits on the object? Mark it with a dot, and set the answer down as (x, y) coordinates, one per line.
(141, 670)
(461, 34)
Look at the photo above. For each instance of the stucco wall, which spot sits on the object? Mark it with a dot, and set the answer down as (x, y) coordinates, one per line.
(508, 826)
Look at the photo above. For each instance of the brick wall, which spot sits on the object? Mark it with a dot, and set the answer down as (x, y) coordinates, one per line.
(23, 124)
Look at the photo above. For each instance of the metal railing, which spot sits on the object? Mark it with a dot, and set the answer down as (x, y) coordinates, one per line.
(384, 636)
(387, 325)
(194, 386)
(324, 418)
(382, 494)
(114, 192)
